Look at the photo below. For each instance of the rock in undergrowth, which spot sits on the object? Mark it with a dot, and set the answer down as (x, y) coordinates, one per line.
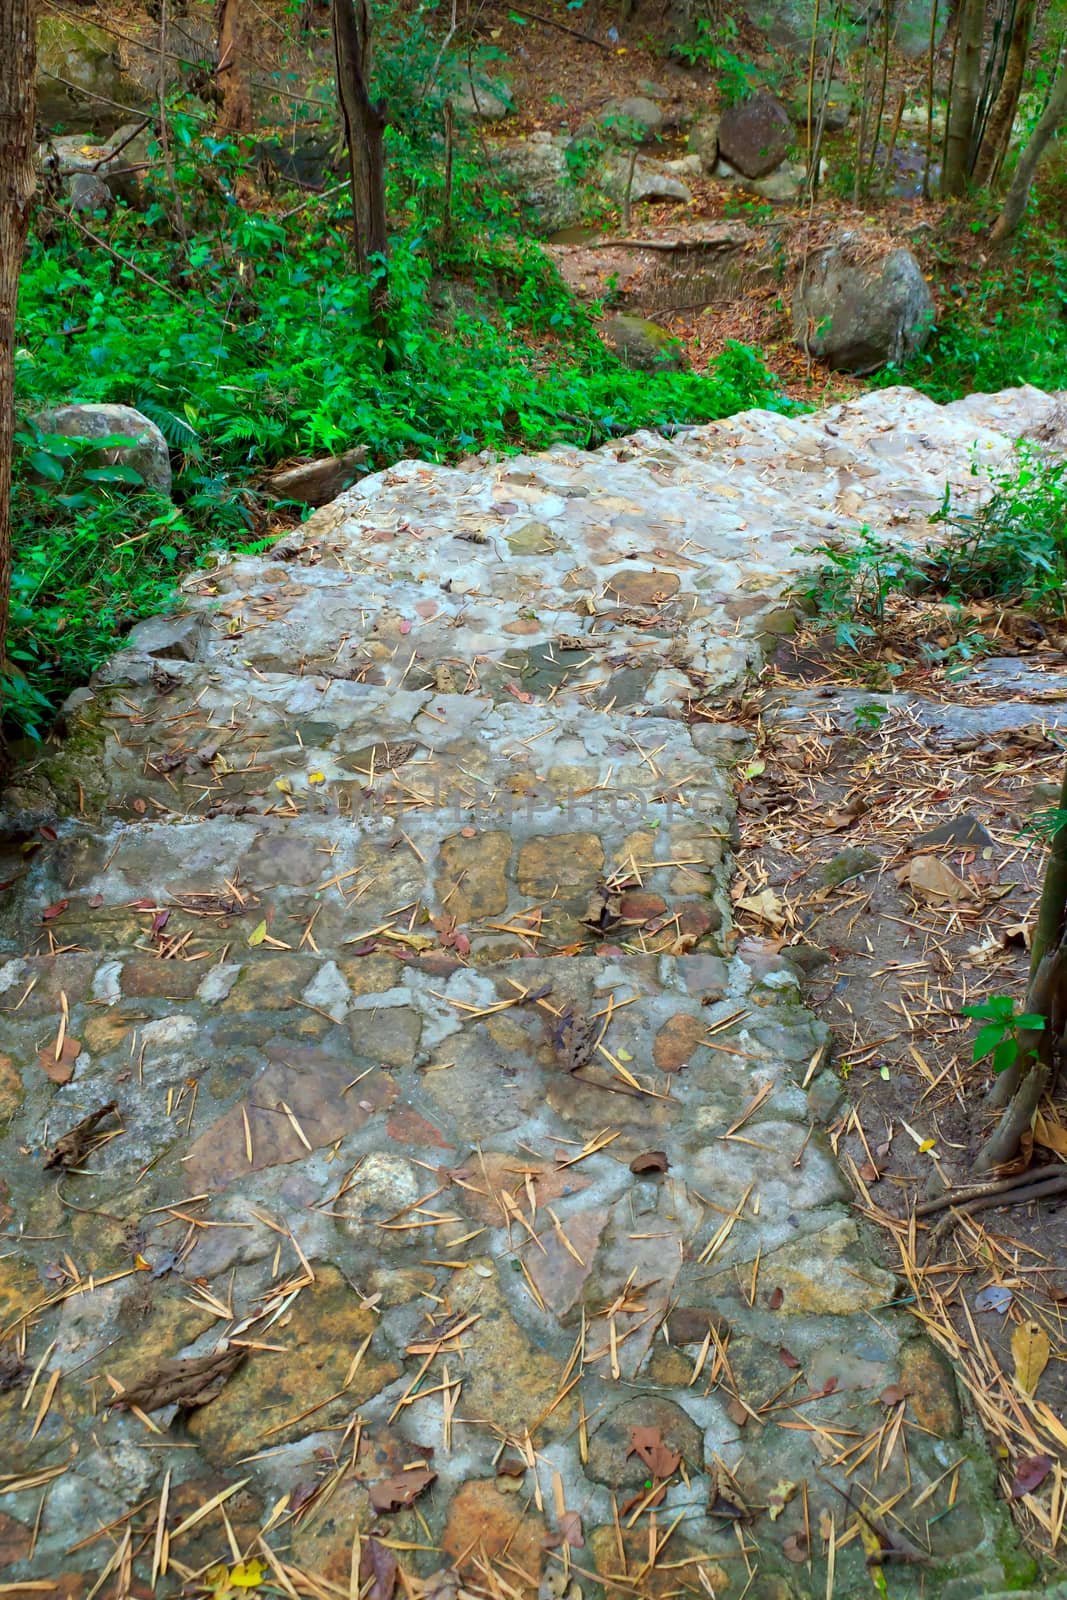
(117, 161)
(642, 345)
(535, 171)
(704, 142)
(148, 454)
(646, 181)
(479, 99)
(314, 483)
(635, 117)
(81, 83)
(858, 310)
(755, 136)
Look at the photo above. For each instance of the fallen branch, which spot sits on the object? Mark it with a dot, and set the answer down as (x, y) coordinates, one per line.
(561, 27)
(1008, 1192)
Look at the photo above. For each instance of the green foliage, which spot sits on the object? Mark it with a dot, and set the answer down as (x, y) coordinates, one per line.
(1004, 328)
(250, 341)
(1000, 1035)
(710, 48)
(1014, 545)
(853, 588)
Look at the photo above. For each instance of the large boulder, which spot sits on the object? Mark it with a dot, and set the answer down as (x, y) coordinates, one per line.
(148, 455)
(117, 161)
(536, 173)
(858, 310)
(642, 345)
(755, 136)
(480, 99)
(648, 180)
(82, 85)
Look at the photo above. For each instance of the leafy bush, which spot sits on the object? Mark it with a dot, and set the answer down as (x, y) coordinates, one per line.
(1014, 545)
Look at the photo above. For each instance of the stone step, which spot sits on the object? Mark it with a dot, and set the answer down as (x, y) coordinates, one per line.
(520, 874)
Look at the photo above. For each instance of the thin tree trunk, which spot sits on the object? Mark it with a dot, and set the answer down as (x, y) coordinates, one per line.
(1019, 188)
(365, 123)
(965, 96)
(18, 61)
(235, 107)
(997, 134)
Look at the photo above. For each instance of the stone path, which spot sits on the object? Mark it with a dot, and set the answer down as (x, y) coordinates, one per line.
(387, 914)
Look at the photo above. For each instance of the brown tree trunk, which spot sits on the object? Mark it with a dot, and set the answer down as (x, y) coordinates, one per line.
(235, 105)
(1002, 117)
(1019, 188)
(966, 90)
(365, 122)
(18, 60)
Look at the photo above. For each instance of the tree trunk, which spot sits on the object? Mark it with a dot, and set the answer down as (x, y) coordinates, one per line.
(1002, 117)
(1019, 188)
(235, 106)
(966, 90)
(18, 60)
(365, 123)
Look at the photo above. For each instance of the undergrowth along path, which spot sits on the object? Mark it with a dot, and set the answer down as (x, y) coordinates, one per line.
(441, 1129)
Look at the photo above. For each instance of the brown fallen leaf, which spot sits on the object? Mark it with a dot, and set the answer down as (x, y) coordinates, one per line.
(72, 1149)
(765, 905)
(60, 1069)
(1050, 1135)
(844, 816)
(50, 913)
(737, 1413)
(647, 1499)
(774, 1299)
(649, 1161)
(658, 1457)
(1030, 1352)
(604, 909)
(1030, 1474)
(401, 1490)
(930, 879)
(378, 1563)
(795, 1548)
(893, 1395)
(186, 1383)
(788, 1357)
(569, 1532)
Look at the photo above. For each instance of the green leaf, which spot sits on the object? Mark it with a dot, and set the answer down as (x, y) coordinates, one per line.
(46, 465)
(119, 473)
(1001, 1008)
(1031, 1021)
(1005, 1055)
(989, 1038)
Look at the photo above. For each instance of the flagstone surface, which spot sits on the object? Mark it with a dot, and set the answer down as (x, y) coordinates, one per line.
(380, 902)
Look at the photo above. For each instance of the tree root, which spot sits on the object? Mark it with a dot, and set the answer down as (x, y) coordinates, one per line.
(1003, 1143)
(1005, 1192)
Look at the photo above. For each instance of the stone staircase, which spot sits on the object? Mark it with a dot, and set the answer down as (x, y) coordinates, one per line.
(387, 902)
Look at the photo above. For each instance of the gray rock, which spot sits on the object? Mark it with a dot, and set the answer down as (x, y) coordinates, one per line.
(857, 315)
(854, 862)
(642, 345)
(783, 186)
(622, 119)
(613, 1461)
(88, 193)
(649, 181)
(96, 420)
(81, 84)
(839, 103)
(117, 161)
(170, 638)
(535, 171)
(704, 142)
(959, 831)
(755, 136)
(479, 99)
(316, 483)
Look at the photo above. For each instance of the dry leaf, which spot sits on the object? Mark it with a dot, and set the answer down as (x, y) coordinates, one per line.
(50, 913)
(187, 1384)
(779, 1498)
(1050, 1135)
(774, 1299)
(72, 1149)
(766, 905)
(789, 1358)
(658, 1457)
(649, 1161)
(401, 1490)
(795, 1548)
(258, 934)
(737, 1413)
(568, 1532)
(378, 1562)
(1030, 1474)
(928, 878)
(60, 1070)
(1030, 1352)
(893, 1395)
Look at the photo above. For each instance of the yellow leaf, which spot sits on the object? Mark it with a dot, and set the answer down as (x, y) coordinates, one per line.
(235, 625)
(258, 934)
(217, 1579)
(141, 1264)
(873, 1546)
(316, 777)
(284, 785)
(927, 1144)
(1030, 1352)
(247, 1574)
(780, 1497)
(414, 941)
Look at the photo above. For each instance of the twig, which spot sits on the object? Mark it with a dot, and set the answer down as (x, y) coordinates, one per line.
(550, 22)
